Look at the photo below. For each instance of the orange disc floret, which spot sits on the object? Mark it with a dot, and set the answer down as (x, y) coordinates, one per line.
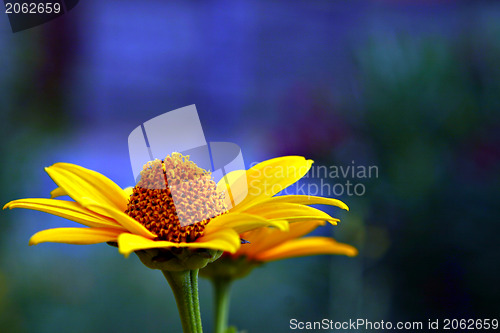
(175, 199)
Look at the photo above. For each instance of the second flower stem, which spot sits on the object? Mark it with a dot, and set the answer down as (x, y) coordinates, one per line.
(222, 288)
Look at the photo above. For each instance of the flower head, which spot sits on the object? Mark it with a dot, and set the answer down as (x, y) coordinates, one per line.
(270, 244)
(176, 207)
(145, 220)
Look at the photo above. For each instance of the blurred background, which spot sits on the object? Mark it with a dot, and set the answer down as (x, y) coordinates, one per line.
(412, 87)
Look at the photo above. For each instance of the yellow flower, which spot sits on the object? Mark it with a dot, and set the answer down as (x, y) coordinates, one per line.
(269, 244)
(129, 218)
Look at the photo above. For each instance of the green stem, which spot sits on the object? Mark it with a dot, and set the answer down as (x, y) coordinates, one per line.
(184, 285)
(222, 288)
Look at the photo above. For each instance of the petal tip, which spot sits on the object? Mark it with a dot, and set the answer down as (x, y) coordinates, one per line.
(284, 227)
(353, 253)
(58, 164)
(126, 254)
(233, 250)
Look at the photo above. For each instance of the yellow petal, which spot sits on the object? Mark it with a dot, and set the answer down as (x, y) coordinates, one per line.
(120, 217)
(224, 240)
(79, 236)
(294, 219)
(57, 192)
(128, 243)
(128, 191)
(266, 238)
(78, 182)
(303, 199)
(290, 212)
(272, 176)
(307, 247)
(67, 209)
(235, 183)
(257, 238)
(241, 222)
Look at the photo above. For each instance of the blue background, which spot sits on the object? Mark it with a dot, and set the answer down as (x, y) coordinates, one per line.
(412, 87)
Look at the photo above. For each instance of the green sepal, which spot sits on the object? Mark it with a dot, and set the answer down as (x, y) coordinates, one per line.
(229, 268)
(177, 259)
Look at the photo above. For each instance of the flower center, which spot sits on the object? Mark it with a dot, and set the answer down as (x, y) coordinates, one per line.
(175, 199)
